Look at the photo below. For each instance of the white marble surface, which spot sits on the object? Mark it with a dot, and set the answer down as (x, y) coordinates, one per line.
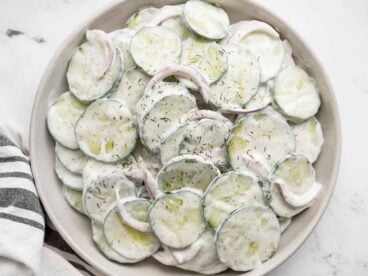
(337, 30)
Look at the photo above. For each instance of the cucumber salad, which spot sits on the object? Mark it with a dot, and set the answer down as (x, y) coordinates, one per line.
(187, 139)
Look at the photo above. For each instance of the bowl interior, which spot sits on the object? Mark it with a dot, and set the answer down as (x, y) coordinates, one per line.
(76, 229)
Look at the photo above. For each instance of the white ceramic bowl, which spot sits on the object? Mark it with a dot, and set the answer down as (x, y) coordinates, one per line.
(76, 229)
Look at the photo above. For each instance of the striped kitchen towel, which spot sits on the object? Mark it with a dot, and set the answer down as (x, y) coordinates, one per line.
(28, 245)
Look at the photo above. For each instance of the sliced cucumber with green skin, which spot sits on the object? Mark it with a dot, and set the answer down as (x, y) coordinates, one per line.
(73, 160)
(170, 147)
(248, 237)
(207, 57)
(263, 97)
(162, 117)
(206, 20)
(134, 212)
(177, 218)
(121, 39)
(71, 180)
(203, 137)
(153, 48)
(293, 186)
(206, 261)
(128, 166)
(140, 18)
(106, 131)
(259, 140)
(176, 24)
(127, 241)
(229, 192)
(296, 95)
(165, 13)
(154, 94)
(284, 223)
(184, 171)
(240, 82)
(131, 88)
(62, 115)
(94, 67)
(295, 178)
(263, 42)
(74, 199)
(309, 138)
(99, 239)
(99, 192)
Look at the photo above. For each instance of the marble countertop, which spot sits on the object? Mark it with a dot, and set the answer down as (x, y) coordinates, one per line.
(337, 30)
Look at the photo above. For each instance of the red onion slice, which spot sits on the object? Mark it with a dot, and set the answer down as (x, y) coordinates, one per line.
(295, 200)
(181, 71)
(107, 44)
(248, 27)
(165, 13)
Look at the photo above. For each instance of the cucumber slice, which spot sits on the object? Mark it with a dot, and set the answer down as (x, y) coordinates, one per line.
(73, 160)
(170, 147)
(259, 140)
(309, 138)
(264, 43)
(248, 237)
(74, 199)
(134, 212)
(296, 95)
(302, 178)
(177, 218)
(153, 48)
(288, 54)
(99, 239)
(99, 192)
(164, 116)
(165, 13)
(293, 186)
(240, 82)
(154, 93)
(206, 261)
(284, 223)
(229, 192)
(184, 72)
(126, 240)
(94, 67)
(62, 115)
(140, 18)
(131, 88)
(206, 20)
(128, 166)
(186, 171)
(71, 180)
(205, 56)
(121, 39)
(263, 97)
(203, 137)
(106, 131)
(176, 24)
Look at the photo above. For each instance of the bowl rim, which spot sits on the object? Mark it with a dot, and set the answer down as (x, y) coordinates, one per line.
(107, 8)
